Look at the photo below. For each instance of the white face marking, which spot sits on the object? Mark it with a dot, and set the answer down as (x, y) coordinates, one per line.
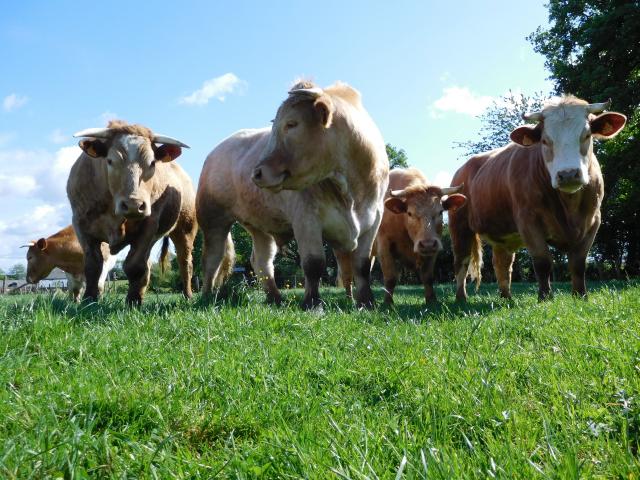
(567, 146)
(130, 166)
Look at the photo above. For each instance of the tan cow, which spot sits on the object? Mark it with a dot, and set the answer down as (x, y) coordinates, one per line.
(127, 173)
(63, 250)
(544, 189)
(411, 227)
(320, 172)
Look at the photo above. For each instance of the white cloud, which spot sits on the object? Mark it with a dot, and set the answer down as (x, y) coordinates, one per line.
(17, 185)
(14, 101)
(460, 100)
(218, 88)
(58, 137)
(41, 221)
(442, 178)
(37, 173)
(5, 137)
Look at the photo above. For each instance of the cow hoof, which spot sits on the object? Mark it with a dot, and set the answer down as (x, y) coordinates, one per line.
(277, 301)
(506, 295)
(311, 303)
(134, 302)
(461, 298)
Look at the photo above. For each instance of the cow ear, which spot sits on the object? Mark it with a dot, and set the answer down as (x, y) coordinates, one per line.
(396, 205)
(324, 107)
(94, 148)
(607, 124)
(454, 202)
(42, 244)
(526, 135)
(167, 153)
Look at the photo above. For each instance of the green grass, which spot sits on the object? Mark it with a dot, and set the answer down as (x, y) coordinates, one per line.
(494, 388)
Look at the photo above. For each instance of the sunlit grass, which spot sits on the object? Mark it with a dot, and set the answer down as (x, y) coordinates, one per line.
(494, 388)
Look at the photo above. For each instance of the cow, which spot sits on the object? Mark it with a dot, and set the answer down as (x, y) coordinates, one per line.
(411, 227)
(543, 189)
(63, 250)
(319, 173)
(126, 173)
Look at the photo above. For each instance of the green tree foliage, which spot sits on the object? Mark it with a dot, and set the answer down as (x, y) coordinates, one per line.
(18, 271)
(499, 120)
(397, 157)
(592, 48)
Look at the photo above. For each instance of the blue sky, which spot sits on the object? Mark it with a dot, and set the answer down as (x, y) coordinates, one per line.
(200, 70)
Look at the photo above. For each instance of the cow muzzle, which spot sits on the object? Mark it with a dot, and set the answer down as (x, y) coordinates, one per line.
(265, 177)
(570, 180)
(133, 208)
(427, 247)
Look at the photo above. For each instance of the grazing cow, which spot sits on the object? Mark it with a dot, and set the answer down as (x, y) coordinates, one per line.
(544, 189)
(412, 226)
(320, 172)
(63, 250)
(127, 173)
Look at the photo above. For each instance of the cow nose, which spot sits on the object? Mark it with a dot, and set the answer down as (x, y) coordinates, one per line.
(428, 244)
(257, 173)
(570, 175)
(142, 207)
(124, 207)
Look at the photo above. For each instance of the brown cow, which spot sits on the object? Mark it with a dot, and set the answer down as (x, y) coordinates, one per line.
(411, 227)
(320, 172)
(63, 250)
(127, 173)
(544, 189)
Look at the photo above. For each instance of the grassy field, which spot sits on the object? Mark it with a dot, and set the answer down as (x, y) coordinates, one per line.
(495, 388)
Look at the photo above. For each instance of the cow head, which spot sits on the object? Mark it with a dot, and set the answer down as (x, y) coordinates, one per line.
(423, 206)
(566, 130)
(297, 154)
(39, 264)
(130, 153)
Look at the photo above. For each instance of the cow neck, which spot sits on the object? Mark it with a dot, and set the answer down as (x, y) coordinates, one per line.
(70, 261)
(568, 207)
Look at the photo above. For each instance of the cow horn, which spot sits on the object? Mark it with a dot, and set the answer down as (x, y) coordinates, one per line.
(532, 117)
(451, 190)
(314, 92)
(28, 245)
(94, 133)
(169, 141)
(598, 107)
(397, 193)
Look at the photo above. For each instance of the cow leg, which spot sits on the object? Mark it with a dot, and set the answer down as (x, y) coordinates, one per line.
(389, 271)
(136, 267)
(503, 266)
(345, 272)
(262, 255)
(74, 285)
(309, 237)
(539, 251)
(213, 252)
(578, 263)
(426, 276)
(361, 261)
(93, 264)
(184, 247)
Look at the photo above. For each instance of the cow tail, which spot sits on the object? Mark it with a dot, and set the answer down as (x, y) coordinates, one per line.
(164, 255)
(475, 267)
(228, 261)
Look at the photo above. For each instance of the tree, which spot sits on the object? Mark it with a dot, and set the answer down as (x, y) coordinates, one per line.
(499, 120)
(592, 50)
(18, 271)
(397, 157)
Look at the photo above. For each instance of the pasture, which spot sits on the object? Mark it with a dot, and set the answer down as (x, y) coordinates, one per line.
(238, 389)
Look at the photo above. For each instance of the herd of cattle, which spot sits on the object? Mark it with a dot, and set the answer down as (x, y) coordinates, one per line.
(321, 173)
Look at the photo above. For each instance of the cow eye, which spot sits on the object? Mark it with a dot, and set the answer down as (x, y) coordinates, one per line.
(409, 214)
(292, 124)
(109, 162)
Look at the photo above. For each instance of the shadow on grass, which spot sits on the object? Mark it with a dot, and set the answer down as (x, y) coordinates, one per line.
(409, 302)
